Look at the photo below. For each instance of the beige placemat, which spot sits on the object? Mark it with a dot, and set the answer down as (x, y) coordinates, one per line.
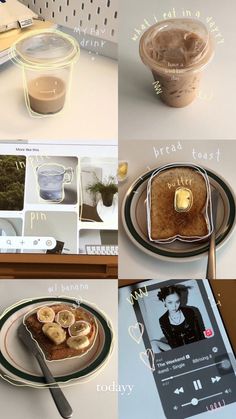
(8, 38)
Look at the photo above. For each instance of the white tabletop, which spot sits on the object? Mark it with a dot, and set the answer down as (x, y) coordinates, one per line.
(85, 399)
(142, 115)
(134, 263)
(91, 114)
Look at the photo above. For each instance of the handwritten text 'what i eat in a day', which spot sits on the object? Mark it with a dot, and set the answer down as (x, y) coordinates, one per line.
(174, 13)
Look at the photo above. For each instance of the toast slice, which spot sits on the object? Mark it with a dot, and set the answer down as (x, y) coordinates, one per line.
(61, 351)
(166, 222)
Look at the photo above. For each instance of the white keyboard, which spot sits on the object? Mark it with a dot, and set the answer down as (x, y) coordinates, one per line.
(106, 250)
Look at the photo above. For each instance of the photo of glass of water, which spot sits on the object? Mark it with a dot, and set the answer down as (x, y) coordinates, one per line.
(51, 180)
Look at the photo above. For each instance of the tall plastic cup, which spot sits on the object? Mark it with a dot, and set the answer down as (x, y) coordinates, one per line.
(177, 51)
(46, 58)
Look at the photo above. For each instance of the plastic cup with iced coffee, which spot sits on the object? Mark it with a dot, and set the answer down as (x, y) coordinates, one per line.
(47, 59)
(177, 51)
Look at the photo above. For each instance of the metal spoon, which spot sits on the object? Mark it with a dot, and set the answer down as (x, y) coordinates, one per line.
(211, 263)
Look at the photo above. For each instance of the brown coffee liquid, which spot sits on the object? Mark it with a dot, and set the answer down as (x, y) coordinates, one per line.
(46, 94)
(176, 58)
(177, 48)
(178, 91)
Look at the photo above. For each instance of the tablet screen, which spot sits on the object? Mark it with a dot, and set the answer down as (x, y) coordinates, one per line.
(58, 199)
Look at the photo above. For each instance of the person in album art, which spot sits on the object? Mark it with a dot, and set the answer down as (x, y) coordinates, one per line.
(180, 324)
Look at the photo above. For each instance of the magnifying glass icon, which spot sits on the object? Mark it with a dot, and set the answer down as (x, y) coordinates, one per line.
(9, 242)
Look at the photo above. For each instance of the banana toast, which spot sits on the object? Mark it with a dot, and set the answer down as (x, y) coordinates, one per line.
(62, 331)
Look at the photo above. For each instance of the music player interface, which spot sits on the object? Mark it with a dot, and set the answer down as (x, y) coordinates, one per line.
(191, 366)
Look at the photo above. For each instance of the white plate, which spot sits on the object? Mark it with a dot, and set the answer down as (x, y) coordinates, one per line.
(18, 365)
(134, 217)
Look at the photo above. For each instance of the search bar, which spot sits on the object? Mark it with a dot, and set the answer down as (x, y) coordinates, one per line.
(27, 243)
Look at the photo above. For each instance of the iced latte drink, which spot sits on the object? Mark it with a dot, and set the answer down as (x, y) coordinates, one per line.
(177, 51)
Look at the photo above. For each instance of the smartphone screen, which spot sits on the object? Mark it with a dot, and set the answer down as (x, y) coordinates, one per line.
(58, 199)
(182, 353)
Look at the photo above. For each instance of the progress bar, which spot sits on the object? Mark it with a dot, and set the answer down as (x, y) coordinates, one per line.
(189, 372)
(195, 401)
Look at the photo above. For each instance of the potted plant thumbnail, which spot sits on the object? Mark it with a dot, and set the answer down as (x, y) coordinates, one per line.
(107, 188)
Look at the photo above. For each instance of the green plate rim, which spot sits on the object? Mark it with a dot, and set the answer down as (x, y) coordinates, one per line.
(151, 249)
(79, 374)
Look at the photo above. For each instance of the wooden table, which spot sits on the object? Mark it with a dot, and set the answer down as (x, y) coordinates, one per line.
(40, 266)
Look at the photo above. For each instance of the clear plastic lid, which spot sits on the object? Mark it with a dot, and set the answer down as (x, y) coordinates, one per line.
(45, 49)
(182, 44)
